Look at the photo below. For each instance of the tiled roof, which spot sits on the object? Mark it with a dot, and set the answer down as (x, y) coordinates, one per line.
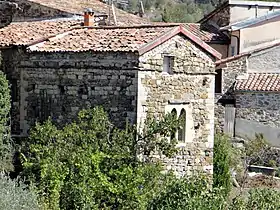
(103, 39)
(209, 34)
(259, 82)
(78, 7)
(134, 38)
(23, 33)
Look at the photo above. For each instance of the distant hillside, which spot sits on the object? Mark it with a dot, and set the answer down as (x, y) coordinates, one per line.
(170, 10)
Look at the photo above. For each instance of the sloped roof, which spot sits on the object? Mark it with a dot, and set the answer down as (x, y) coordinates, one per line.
(24, 33)
(209, 34)
(78, 6)
(239, 3)
(136, 38)
(258, 48)
(252, 21)
(259, 82)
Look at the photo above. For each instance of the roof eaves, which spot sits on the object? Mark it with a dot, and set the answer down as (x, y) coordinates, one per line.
(232, 58)
(251, 22)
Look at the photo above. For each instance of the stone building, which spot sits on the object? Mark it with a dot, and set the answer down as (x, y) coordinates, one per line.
(250, 82)
(246, 23)
(130, 71)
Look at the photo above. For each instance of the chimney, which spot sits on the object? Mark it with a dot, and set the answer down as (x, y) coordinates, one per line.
(88, 17)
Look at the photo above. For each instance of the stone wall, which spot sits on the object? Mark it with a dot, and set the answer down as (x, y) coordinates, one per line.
(190, 86)
(230, 71)
(61, 84)
(265, 61)
(259, 107)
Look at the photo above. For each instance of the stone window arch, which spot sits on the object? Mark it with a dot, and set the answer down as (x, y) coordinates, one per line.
(183, 112)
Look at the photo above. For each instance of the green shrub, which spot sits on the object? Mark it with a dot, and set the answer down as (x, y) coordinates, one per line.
(90, 164)
(5, 138)
(188, 193)
(14, 195)
(222, 162)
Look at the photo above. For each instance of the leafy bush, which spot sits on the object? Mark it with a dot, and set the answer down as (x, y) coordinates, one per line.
(188, 193)
(14, 195)
(5, 138)
(90, 164)
(222, 162)
(261, 199)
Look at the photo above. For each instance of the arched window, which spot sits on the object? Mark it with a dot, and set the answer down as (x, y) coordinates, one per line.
(174, 113)
(182, 130)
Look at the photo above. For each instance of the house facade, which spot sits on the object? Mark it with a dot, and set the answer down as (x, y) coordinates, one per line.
(250, 84)
(130, 71)
(247, 23)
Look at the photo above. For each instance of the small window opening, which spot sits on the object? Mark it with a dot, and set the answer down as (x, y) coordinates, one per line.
(218, 81)
(182, 130)
(271, 8)
(168, 62)
(232, 50)
(249, 7)
(61, 89)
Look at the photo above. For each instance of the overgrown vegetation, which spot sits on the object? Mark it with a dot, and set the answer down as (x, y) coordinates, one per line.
(5, 137)
(173, 11)
(90, 164)
(14, 195)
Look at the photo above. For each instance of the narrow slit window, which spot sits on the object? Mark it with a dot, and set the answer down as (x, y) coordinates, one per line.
(174, 113)
(218, 81)
(232, 50)
(182, 130)
(168, 64)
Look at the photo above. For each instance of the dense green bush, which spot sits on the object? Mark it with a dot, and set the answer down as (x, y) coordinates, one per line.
(261, 199)
(5, 138)
(89, 164)
(188, 193)
(222, 163)
(14, 195)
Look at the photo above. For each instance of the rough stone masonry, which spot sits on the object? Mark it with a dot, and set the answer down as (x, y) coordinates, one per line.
(128, 86)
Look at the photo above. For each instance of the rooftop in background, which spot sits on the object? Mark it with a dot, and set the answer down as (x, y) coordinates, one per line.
(135, 38)
(77, 7)
(259, 82)
(251, 21)
(252, 50)
(238, 3)
(24, 33)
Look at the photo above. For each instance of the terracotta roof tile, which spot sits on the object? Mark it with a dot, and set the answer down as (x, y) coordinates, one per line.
(102, 39)
(208, 34)
(78, 7)
(23, 33)
(259, 82)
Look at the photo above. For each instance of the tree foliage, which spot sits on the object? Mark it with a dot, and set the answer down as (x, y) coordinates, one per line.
(90, 164)
(222, 163)
(5, 138)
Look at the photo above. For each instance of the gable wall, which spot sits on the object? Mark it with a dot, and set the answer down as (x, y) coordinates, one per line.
(265, 61)
(266, 32)
(192, 83)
